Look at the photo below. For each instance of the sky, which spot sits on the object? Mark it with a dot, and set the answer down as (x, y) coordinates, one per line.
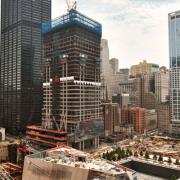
(135, 29)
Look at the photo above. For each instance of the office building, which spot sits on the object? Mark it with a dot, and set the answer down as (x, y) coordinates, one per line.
(143, 91)
(163, 117)
(71, 86)
(21, 62)
(174, 51)
(141, 119)
(126, 87)
(114, 63)
(117, 79)
(143, 68)
(150, 120)
(133, 117)
(110, 74)
(126, 116)
(162, 85)
(124, 71)
(111, 113)
(122, 99)
(138, 118)
(106, 70)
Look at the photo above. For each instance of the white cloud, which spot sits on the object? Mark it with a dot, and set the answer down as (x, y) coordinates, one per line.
(136, 29)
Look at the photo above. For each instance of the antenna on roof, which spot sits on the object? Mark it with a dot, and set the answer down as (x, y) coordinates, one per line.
(72, 4)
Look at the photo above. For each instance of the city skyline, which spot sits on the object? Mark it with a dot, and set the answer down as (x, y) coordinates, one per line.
(69, 106)
(148, 20)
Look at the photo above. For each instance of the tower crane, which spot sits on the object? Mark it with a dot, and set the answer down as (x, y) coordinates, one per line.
(72, 4)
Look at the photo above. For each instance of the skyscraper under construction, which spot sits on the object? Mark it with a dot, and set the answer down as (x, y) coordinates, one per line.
(71, 98)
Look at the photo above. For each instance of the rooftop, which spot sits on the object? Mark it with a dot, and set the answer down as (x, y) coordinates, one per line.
(73, 17)
(68, 156)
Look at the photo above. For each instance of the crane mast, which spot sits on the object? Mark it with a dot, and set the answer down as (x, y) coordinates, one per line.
(72, 4)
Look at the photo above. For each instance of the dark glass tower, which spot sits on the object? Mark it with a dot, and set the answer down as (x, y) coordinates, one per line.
(21, 61)
(174, 52)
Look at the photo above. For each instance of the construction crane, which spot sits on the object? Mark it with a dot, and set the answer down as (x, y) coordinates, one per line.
(4, 175)
(72, 4)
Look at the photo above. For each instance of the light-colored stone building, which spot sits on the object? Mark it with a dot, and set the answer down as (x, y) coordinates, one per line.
(105, 69)
(114, 65)
(162, 85)
(143, 68)
(110, 75)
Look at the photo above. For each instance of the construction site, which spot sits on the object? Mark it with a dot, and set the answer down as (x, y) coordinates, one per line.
(68, 163)
(10, 171)
(71, 84)
(159, 145)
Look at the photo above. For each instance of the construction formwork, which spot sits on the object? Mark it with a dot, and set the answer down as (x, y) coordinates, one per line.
(45, 138)
(71, 88)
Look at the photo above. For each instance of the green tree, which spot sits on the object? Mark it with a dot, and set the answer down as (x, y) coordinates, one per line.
(107, 156)
(130, 153)
(136, 154)
(141, 153)
(169, 160)
(147, 155)
(116, 157)
(104, 156)
(160, 159)
(127, 153)
(177, 162)
(123, 153)
(173, 177)
(119, 156)
(155, 157)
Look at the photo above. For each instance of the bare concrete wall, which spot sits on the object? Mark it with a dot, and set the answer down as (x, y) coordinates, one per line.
(35, 169)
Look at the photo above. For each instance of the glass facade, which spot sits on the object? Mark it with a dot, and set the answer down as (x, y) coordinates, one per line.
(174, 49)
(21, 61)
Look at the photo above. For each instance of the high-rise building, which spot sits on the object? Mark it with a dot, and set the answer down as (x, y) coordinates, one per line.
(71, 98)
(126, 87)
(150, 120)
(174, 51)
(163, 119)
(124, 71)
(110, 75)
(143, 91)
(114, 63)
(111, 112)
(141, 119)
(138, 119)
(122, 99)
(143, 68)
(105, 70)
(21, 61)
(162, 85)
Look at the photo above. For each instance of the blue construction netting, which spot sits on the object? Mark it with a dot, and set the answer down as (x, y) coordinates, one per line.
(71, 18)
